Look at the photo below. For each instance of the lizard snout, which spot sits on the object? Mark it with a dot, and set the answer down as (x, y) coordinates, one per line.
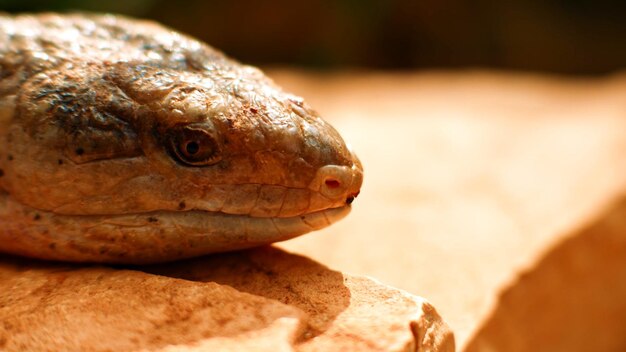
(338, 182)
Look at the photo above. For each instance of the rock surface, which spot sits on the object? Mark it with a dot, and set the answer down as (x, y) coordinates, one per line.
(478, 183)
(258, 300)
(572, 299)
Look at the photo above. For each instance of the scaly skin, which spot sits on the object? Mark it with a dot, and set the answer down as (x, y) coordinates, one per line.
(123, 141)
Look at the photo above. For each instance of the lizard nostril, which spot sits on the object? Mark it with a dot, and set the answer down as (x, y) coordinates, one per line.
(351, 197)
(332, 183)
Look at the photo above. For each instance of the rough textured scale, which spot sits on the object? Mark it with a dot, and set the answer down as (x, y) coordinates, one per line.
(124, 141)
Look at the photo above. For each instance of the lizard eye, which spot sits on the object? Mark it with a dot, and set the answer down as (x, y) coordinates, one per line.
(194, 146)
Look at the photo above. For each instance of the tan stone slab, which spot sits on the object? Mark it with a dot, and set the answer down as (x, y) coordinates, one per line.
(258, 300)
(343, 312)
(572, 299)
(470, 177)
(55, 307)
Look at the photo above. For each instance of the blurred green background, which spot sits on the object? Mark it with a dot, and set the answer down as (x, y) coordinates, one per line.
(563, 36)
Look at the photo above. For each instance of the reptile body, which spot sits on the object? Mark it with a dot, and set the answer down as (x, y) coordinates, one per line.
(123, 141)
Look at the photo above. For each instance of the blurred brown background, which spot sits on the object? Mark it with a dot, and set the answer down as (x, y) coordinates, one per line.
(561, 36)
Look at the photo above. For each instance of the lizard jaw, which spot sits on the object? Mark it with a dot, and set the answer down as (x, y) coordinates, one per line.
(146, 237)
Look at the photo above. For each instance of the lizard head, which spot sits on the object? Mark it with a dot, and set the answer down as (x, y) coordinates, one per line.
(217, 158)
(238, 144)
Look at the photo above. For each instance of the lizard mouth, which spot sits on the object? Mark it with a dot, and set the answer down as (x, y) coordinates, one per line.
(139, 238)
(225, 228)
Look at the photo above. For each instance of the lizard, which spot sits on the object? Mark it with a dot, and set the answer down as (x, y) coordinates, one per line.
(124, 141)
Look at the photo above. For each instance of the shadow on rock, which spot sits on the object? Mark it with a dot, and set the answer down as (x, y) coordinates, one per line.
(271, 273)
(281, 297)
(573, 299)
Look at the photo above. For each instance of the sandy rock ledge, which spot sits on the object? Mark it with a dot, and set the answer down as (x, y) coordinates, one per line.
(258, 300)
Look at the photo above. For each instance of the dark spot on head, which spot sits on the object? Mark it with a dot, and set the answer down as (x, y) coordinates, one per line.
(37, 217)
(152, 219)
(1, 172)
(64, 109)
(182, 205)
(52, 245)
(188, 89)
(253, 110)
(60, 162)
(224, 165)
(80, 151)
(10, 157)
(297, 101)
